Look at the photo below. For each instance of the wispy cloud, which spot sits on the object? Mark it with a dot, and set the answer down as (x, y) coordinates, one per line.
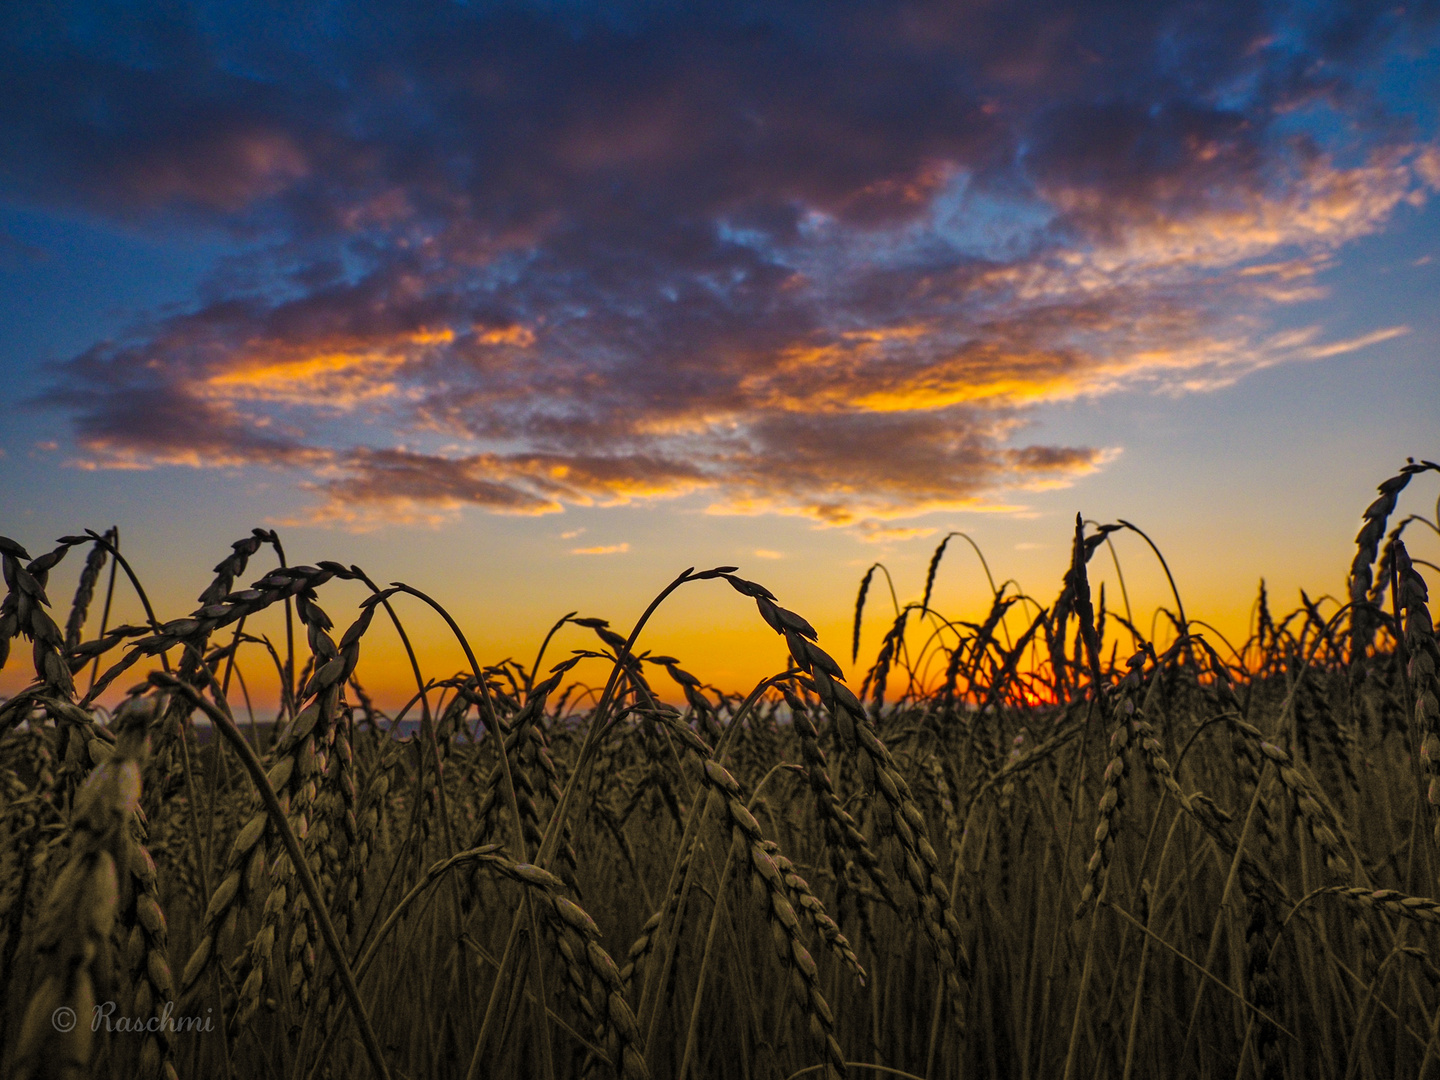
(875, 533)
(1340, 348)
(822, 261)
(603, 549)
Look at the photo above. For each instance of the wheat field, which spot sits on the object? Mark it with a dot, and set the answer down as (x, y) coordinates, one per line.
(1031, 842)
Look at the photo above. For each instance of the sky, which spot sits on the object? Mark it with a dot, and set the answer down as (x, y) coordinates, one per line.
(533, 305)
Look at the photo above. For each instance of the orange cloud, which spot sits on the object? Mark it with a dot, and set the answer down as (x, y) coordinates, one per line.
(337, 377)
(522, 337)
(603, 549)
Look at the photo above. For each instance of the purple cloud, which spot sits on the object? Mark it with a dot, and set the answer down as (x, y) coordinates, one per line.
(806, 258)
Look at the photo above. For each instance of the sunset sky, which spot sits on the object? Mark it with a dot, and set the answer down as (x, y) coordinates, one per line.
(533, 305)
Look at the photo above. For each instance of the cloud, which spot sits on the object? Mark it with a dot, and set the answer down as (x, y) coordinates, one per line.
(820, 260)
(505, 483)
(604, 549)
(1340, 348)
(872, 532)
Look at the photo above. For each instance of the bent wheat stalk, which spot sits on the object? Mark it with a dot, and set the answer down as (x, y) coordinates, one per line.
(226, 727)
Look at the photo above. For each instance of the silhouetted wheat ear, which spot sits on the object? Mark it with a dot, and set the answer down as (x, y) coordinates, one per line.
(79, 914)
(1367, 544)
(859, 610)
